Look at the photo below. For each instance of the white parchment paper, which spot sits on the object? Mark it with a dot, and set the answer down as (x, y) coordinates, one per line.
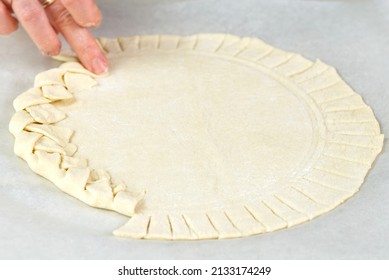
(39, 221)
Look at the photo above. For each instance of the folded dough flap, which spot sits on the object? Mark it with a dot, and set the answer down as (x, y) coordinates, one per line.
(29, 98)
(77, 82)
(24, 144)
(59, 134)
(73, 162)
(48, 145)
(56, 92)
(49, 78)
(19, 121)
(46, 113)
(48, 166)
(76, 67)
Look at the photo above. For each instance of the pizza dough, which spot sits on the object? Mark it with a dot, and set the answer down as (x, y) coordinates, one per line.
(205, 136)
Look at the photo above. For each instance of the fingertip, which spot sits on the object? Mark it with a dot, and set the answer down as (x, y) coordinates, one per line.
(9, 29)
(14, 27)
(51, 50)
(91, 24)
(100, 65)
(99, 18)
(8, 23)
(95, 22)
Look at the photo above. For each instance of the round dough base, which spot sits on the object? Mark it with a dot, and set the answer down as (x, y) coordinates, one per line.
(206, 136)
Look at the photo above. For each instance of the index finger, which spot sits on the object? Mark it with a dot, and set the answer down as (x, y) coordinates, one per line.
(79, 38)
(34, 20)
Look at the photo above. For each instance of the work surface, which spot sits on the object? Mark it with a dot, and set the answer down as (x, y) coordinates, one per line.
(39, 221)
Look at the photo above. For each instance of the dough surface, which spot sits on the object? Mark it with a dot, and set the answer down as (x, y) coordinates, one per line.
(205, 136)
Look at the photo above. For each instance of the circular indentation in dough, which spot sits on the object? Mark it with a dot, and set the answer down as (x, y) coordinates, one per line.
(195, 132)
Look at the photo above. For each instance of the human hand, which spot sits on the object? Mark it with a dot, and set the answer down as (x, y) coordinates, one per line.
(71, 18)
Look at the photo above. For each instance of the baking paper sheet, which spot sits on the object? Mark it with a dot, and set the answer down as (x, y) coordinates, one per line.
(39, 221)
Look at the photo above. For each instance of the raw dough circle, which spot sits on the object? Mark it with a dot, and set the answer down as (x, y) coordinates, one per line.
(228, 137)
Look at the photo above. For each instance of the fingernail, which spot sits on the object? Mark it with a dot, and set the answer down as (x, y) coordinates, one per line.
(91, 24)
(44, 53)
(50, 53)
(52, 50)
(99, 65)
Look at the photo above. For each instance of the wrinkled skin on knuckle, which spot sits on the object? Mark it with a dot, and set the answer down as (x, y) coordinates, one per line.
(63, 18)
